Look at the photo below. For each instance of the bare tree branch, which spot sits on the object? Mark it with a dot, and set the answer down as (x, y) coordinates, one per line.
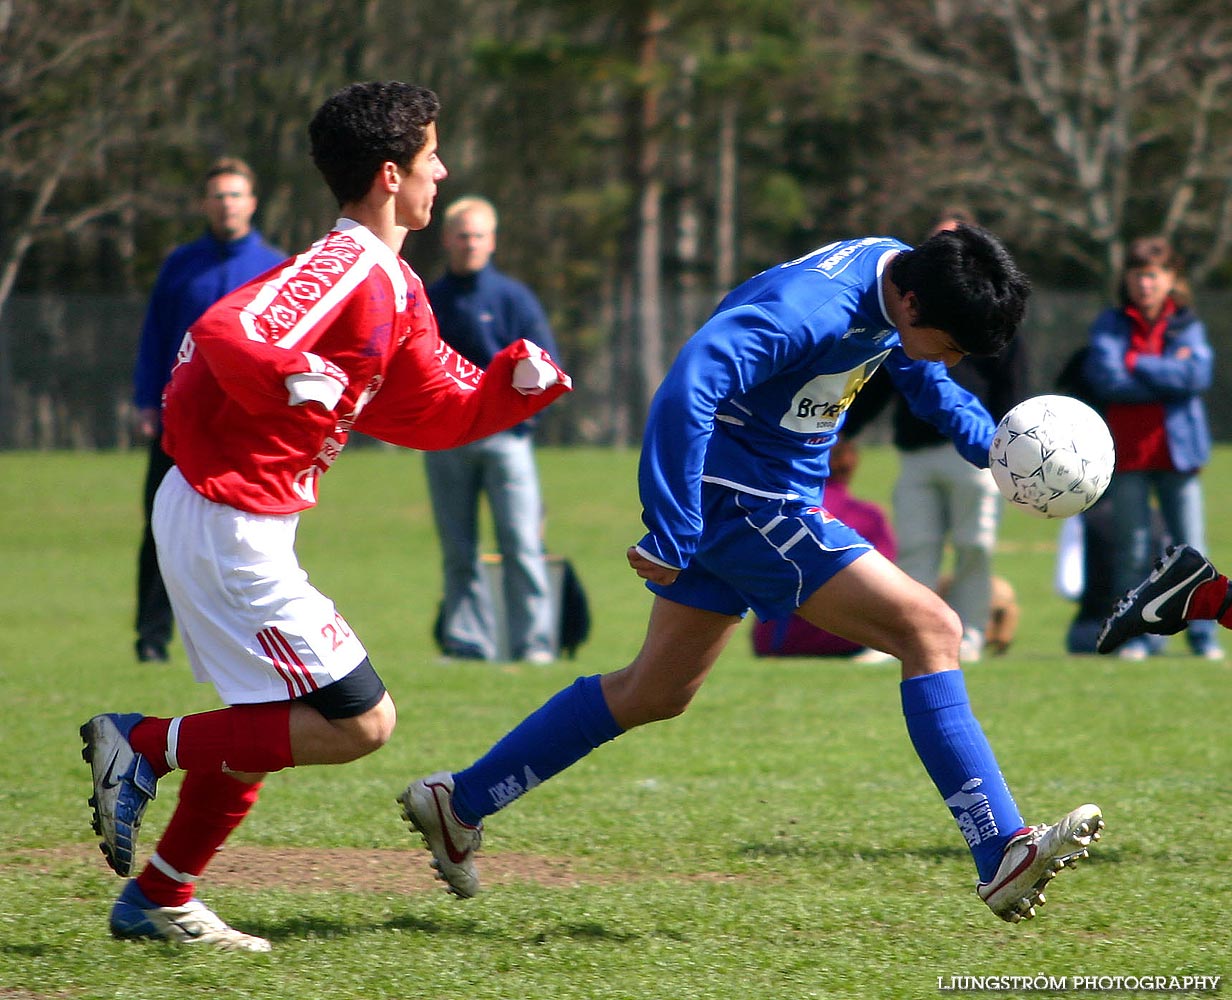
(1102, 112)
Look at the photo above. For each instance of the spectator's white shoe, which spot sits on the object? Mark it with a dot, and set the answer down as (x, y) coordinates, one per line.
(871, 657)
(971, 649)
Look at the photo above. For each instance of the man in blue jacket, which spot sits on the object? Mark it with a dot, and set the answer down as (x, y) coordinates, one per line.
(733, 467)
(192, 278)
(480, 310)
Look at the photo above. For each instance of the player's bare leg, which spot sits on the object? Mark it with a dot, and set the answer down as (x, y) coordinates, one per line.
(318, 740)
(873, 602)
(680, 648)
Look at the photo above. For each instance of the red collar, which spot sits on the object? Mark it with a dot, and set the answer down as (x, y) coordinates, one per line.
(1140, 321)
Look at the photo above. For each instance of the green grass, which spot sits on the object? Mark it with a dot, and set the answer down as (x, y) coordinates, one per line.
(780, 840)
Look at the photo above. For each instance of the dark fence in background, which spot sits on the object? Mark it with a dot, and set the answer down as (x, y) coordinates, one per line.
(66, 363)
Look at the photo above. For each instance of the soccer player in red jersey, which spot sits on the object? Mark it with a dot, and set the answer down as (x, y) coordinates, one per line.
(268, 385)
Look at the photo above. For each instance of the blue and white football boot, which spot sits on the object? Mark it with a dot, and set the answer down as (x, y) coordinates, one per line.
(124, 783)
(135, 916)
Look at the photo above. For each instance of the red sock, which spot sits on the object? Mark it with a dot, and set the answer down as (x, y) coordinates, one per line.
(149, 738)
(211, 805)
(1208, 599)
(254, 738)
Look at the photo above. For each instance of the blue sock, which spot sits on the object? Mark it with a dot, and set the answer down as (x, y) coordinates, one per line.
(956, 754)
(559, 733)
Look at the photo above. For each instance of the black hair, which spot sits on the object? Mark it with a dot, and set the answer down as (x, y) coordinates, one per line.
(367, 124)
(967, 284)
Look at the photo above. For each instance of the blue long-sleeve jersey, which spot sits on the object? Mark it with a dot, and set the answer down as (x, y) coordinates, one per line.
(192, 278)
(755, 399)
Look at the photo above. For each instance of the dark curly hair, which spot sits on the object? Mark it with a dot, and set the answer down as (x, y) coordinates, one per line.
(967, 284)
(364, 125)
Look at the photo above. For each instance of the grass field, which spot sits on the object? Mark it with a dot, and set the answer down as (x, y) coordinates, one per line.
(778, 841)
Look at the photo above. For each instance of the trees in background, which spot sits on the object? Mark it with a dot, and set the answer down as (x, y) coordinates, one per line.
(81, 107)
(1075, 123)
(645, 154)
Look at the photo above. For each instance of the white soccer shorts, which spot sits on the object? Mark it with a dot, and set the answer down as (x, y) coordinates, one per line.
(251, 623)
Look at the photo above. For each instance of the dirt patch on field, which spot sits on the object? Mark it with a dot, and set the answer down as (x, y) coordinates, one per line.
(13, 993)
(354, 869)
(375, 870)
(338, 868)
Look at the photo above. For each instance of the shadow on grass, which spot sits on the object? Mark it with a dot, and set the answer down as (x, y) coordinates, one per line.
(301, 927)
(845, 853)
(25, 951)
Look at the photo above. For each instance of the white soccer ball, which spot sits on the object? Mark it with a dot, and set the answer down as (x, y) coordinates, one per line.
(1052, 456)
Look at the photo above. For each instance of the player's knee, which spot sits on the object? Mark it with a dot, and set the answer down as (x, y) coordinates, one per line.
(373, 729)
(952, 635)
(943, 625)
(383, 724)
(635, 701)
(668, 705)
(936, 630)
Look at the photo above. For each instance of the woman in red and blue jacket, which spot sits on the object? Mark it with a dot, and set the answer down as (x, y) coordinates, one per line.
(1150, 365)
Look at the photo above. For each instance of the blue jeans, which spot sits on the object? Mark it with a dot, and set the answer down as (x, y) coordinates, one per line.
(502, 467)
(1180, 503)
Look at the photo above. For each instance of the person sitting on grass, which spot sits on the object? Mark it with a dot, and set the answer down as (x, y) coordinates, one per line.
(734, 461)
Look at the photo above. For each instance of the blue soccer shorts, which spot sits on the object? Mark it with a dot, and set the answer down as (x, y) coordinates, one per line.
(770, 555)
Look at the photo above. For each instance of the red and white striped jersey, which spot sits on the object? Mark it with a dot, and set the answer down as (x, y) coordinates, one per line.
(347, 309)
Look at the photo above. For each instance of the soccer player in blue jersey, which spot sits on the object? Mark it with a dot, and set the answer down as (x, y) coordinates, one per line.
(733, 468)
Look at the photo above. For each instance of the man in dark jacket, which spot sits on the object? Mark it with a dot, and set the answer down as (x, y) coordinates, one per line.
(192, 278)
(480, 310)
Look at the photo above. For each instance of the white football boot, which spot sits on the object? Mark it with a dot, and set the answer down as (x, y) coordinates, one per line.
(427, 804)
(134, 916)
(1034, 857)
